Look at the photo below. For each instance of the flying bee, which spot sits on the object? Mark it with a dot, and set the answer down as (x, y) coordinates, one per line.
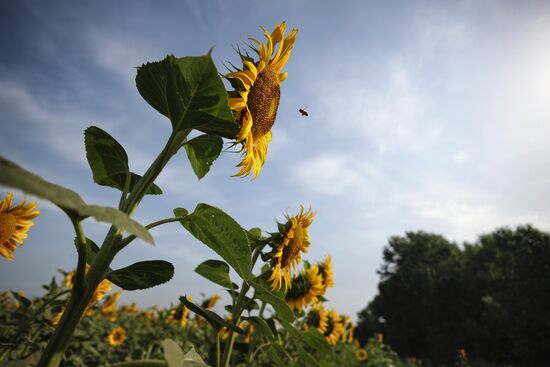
(303, 112)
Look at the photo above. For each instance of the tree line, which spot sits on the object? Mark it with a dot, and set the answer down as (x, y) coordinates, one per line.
(490, 298)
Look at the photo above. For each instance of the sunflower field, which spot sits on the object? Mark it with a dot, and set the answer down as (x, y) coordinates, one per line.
(276, 315)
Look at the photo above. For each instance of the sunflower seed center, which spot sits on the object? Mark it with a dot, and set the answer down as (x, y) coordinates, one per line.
(7, 226)
(263, 101)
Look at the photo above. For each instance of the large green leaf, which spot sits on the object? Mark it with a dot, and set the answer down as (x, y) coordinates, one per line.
(280, 306)
(216, 271)
(109, 161)
(175, 358)
(223, 234)
(202, 151)
(262, 328)
(190, 92)
(142, 275)
(14, 176)
(213, 318)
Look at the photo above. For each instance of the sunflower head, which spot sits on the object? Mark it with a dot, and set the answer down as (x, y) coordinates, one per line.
(306, 287)
(109, 306)
(255, 99)
(361, 355)
(317, 317)
(288, 245)
(179, 315)
(116, 336)
(325, 269)
(335, 328)
(211, 302)
(15, 222)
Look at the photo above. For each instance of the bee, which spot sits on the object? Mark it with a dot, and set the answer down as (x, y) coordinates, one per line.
(303, 112)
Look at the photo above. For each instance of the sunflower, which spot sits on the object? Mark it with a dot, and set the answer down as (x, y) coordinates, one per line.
(317, 318)
(361, 355)
(211, 302)
(305, 288)
(325, 269)
(116, 336)
(109, 306)
(256, 96)
(131, 309)
(349, 328)
(179, 315)
(15, 221)
(335, 328)
(289, 243)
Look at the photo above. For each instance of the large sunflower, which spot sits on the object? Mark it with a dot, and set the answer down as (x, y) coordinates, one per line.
(15, 221)
(257, 93)
(289, 243)
(306, 287)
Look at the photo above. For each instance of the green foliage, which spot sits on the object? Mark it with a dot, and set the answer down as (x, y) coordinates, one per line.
(279, 304)
(109, 162)
(202, 151)
(490, 298)
(215, 320)
(216, 271)
(142, 275)
(175, 357)
(223, 234)
(68, 200)
(190, 92)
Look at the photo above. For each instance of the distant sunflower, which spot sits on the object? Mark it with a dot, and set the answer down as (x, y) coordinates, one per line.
(325, 269)
(361, 355)
(211, 302)
(179, 315)
(116, 336)
(335, 328)
(15, 222)
(289, 243)
(109, 306)
(257, 94)
(349, 328)
(318, 318)
(306, 287)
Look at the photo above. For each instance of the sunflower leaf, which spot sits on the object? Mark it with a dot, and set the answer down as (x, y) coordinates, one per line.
(202, 151)
(190, 92)
(68, 200)
(109, 162)
(216, 271)
(213, 318)
(142, 275)
(279, 304)
(223, 234)
(261, 326)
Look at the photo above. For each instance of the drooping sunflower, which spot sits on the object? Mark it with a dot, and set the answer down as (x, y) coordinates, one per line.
(257, 94)
(306, 287)
(317, 317)
(15, 222)
(116, 336)
(335, 328)
(288, 244)
(325, 269)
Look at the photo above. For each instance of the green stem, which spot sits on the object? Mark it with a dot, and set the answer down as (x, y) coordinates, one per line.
(126, 241)
(237, 311)
(78, 302)
(218, 349)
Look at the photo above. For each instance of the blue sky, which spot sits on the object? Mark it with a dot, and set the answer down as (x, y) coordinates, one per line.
(423, 115)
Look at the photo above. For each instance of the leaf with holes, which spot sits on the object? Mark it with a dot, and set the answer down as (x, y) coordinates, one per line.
(223, 234)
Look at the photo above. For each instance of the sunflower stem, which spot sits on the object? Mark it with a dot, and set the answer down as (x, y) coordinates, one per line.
(80, 298)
